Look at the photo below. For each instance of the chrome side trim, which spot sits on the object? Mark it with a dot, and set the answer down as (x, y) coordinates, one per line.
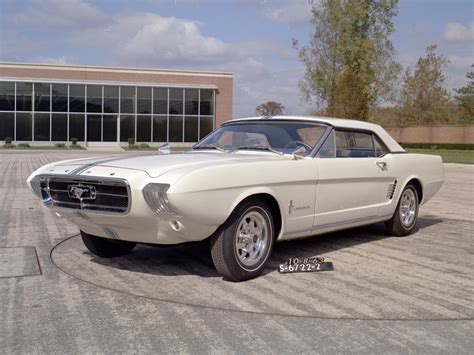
(341, 223)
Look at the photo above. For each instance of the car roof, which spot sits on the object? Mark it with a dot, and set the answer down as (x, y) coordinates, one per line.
(337, 123)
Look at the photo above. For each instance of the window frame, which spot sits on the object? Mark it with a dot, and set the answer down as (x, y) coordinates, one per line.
(358, 130)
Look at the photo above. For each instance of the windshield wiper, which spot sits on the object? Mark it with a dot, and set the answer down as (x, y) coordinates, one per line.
(262, 148)
(209, 146)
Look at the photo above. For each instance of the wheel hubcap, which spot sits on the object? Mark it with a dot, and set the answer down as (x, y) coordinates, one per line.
(252, 238)
(408, 208)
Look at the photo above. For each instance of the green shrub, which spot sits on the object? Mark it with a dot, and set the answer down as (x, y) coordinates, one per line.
(23, 145)
(60, 145)
(132, 146)
(8, 141)
(76, 146)
(435, 146)
(144, 146)
(8, 146)
(74, 141)
(131, 141)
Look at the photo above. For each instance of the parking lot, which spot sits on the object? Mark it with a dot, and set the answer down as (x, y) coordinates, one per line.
(412, 294)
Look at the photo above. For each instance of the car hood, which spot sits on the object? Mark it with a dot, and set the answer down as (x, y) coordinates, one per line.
(156, 165)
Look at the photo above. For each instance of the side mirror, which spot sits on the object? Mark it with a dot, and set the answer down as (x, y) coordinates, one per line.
(164, 149)
(299, 153)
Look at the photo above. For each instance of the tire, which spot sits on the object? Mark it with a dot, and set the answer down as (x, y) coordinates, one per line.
(404, 219)
(106, 248)
(241, 247)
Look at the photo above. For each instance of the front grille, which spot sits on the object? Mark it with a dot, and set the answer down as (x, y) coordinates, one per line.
(107, 195)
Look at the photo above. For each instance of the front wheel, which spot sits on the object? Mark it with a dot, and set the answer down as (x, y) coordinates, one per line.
(404, 219)
(106, 248)
(242, 245)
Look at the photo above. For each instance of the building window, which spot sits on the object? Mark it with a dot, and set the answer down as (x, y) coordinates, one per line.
(42, 126)
(176, 102)
(206, 126)
(24, 92)
(160, 101)
(143, 128)
(160, 129)
(42, 97)
(191, 128)
(143, 100)
(191, 103)
(59, 97)
(207, 102)
(76, 126)
(127, 127)
(109, 128)
(23, 126)
(7, 97)
(111, 99)
(77, 95)
(127, 99)
(59, 127)
(94, 98)
(94, 128)
(59, 111)
(7, 125)
(176, 129)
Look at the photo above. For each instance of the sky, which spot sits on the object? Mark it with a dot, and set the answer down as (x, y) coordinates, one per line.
(252, 39)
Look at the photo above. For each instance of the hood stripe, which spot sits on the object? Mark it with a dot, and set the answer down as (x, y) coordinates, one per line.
(84, 167)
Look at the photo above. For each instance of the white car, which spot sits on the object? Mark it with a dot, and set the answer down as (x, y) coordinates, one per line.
(251, 182)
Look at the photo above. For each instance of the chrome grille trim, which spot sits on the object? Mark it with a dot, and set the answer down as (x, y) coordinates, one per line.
(113, 195)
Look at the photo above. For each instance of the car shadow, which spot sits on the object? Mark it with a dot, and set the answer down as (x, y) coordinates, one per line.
(195, 259)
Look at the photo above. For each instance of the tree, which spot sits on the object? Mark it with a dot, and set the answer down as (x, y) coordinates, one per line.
(349, 58)
(270, 108)
(465, 98)
(423, 97)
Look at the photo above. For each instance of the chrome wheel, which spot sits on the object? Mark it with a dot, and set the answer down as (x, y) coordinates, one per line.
(252, 238)
(408, 206)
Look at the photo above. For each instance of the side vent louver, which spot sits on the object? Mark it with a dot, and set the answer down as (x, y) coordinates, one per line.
(391, 189)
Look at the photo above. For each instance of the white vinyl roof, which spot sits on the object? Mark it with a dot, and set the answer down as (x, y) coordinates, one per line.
(338, 123)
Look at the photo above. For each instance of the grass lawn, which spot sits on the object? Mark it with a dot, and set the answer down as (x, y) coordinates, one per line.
(449, 155)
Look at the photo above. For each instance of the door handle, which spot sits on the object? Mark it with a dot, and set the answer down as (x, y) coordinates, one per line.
(382, 165)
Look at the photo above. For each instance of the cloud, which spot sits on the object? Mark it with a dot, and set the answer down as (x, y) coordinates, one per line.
(292, 12)
(416, 30)
(55, 15)
(76, 32)
(54, 60)
(457, 32)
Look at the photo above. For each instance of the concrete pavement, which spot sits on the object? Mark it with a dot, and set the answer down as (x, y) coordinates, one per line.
(386, 294)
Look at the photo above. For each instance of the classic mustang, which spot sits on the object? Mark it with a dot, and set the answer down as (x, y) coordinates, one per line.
(251, 182)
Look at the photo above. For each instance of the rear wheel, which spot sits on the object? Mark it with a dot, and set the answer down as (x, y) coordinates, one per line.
(241, 247)
(106, 248)
(404, 219)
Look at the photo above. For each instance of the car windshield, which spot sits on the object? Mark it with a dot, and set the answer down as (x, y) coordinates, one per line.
(281, 137)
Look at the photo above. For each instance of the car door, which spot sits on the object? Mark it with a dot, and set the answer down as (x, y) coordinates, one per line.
(352, 183)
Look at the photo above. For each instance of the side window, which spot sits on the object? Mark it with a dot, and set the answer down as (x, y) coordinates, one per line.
(328, 149)
(380, 148)
(350, 144)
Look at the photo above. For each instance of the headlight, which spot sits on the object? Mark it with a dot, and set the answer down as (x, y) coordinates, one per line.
(156, 197)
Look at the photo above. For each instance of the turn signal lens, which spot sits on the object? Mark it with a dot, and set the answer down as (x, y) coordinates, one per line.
(156, 197)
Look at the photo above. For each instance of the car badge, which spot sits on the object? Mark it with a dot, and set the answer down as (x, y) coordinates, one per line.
(81, 192)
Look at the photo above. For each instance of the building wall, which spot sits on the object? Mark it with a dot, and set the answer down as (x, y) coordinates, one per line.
(223, 81)
(194, 83)
(462, 134)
